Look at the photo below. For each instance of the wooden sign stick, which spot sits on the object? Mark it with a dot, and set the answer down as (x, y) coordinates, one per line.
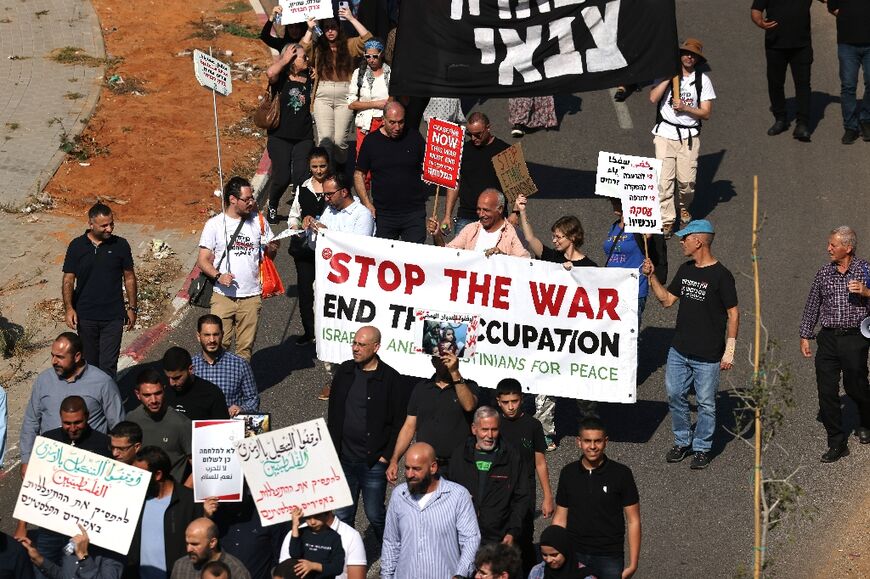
(675, 88)
(435, 206)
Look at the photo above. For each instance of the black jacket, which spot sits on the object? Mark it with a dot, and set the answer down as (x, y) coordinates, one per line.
(507, 496)
(180, 512)
(385, 411)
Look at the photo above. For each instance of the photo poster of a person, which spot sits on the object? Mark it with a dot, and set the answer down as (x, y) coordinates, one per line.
(441, 333)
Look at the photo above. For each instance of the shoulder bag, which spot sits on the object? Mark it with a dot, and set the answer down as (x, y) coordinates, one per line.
(200, 290)
(268, 113)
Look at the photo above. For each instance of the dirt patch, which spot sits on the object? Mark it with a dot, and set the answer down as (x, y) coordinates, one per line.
(151, 140)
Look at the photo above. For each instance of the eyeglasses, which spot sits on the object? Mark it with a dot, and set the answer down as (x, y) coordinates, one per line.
(359, 344)
(331, 193)
(245, 199)
(372, 56)
(120, 448)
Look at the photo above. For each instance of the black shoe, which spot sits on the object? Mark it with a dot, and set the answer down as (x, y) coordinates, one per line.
(518, 131)
(700, 461)
(272, 215)
(863, 435)
(865, 130)
(305, 339)
(778, 127)
(834, 454)
(678, 453)
(801, 133)
(849, 136)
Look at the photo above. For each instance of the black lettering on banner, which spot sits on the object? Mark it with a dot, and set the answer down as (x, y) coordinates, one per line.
(531, 47)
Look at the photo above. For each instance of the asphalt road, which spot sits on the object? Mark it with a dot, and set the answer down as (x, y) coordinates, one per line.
(695, 523)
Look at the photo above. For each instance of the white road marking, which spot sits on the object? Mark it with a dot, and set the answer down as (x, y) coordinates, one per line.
(623, 116)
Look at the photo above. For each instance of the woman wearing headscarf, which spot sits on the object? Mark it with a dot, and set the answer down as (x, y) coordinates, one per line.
(333, 58)
(369, 92)
(289, 144)
(559, 561)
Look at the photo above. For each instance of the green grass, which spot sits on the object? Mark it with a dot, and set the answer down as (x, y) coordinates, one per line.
(236, 7)
(240, 30)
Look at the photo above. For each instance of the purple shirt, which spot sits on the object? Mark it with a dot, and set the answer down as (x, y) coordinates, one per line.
(829, 301)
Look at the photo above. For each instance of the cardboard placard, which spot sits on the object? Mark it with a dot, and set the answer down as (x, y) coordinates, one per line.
(212, 73)
(441, 161)
(295, 466)
(513, 174)
(66, 486)
(217, 471)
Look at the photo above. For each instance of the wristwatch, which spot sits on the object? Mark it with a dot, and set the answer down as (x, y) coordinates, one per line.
(134, 309)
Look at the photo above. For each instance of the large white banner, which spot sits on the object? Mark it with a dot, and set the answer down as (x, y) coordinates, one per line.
(566, 333)
(295, 466)
(217, 471)
(66, 486)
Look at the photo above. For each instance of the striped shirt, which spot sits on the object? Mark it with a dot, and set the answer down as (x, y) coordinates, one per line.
(233, 375)
(830, 302)
(438, 541)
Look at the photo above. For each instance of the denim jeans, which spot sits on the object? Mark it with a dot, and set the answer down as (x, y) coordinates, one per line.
(852, 57)
(682, 372)
(461, 222)
(604, 566)
(372, 482)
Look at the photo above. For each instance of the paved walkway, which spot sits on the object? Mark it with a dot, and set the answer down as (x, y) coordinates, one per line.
(36, 90)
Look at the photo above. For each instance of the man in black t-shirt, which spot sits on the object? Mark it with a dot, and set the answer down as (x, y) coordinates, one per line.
(596, 501)
(476, 172)
(708, 313)
(787, 42)
(394, 156)
(366, 411)
(74, 428)
(188, 394)
(95, 265)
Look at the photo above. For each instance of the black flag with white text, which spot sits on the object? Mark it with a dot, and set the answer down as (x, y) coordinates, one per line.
(505, 48)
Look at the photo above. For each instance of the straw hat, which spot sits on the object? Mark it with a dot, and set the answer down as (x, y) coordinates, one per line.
(694, 46)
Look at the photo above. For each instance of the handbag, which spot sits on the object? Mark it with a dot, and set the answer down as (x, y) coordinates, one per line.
(268, 113)
(270, 281)
(201, 287)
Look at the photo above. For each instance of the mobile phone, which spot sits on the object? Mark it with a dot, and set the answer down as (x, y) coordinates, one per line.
(278, 18)
(345, 5)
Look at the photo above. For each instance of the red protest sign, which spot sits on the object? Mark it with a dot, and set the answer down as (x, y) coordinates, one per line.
(443, 153)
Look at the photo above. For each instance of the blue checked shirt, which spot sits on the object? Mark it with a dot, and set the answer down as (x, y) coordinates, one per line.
(829, 301)
(437, 542)
(233, 375)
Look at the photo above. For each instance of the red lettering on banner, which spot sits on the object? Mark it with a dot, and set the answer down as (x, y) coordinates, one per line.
(455, 275)
(382, 276)
(414, 276)
(608, 299)
(580, 304)
(366, 263)
(545, 296)
(475, 288)
(340, 273)
(500, 294)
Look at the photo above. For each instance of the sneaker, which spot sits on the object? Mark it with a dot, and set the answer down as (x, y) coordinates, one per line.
(621, 94)
(324, 394)
(685, 216)
(700, 461)
(551, 444)
(678, 453)
(272, 215)
(518, 131)
(849, 136)
(305, 339)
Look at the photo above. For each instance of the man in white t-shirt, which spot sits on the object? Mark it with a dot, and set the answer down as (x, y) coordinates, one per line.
(352, 543)
(676, 132)
(236, 275)
(491, 233)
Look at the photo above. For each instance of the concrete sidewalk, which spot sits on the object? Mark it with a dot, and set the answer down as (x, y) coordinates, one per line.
(41, 99)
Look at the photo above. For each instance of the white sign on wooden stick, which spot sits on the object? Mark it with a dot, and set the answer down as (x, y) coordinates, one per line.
(607, 176)
(66, 486)
(641, 207)
(212, 73)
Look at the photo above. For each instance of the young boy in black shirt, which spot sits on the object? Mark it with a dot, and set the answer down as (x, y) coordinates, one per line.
(526, 434)
(316, 547)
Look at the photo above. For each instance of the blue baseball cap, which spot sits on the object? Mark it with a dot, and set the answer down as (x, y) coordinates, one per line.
(696, 226)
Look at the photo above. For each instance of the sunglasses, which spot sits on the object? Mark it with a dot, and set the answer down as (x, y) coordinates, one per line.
(372, 56)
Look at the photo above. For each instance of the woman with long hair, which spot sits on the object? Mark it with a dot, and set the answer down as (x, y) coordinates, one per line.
(292, 32)
(333, 58)
(289, 144)
(308, 202)
(369, 92)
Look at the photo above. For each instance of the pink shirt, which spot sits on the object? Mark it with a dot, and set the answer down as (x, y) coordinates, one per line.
(508, 242)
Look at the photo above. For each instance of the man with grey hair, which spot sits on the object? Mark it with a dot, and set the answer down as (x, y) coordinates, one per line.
(494, 473)
(838, 300)
(704, 341)
(394, 156)
(491, 233)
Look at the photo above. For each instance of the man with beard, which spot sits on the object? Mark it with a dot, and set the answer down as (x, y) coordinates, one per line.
(125, 440)
(189, 394)
(74, 428)
(201, 538)
(161, 426)
(235, 270)
(168, 509)
(94, 268)
(229, 372)
(431, 530)
(496, 476)
(70, 375)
